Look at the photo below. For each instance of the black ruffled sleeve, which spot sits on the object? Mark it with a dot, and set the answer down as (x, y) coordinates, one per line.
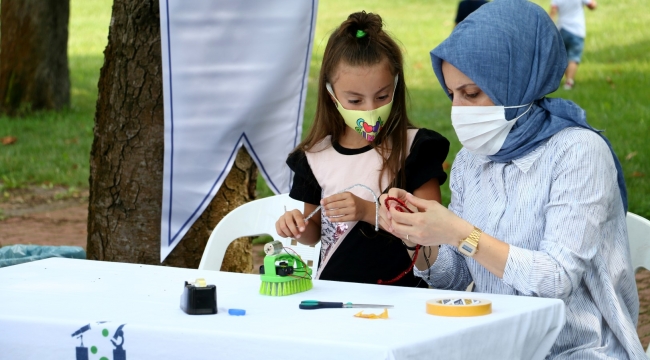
(428, 152)
(305, 188)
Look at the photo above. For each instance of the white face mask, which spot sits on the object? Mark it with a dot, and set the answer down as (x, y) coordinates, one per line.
(483, 129)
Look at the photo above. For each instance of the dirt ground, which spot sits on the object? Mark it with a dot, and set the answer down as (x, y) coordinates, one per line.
(44, 216)
(58, 216)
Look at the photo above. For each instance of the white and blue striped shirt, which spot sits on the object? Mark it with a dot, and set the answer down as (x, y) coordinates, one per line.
(560, 210)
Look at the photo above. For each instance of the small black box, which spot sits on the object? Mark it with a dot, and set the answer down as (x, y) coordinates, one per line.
(199, 300)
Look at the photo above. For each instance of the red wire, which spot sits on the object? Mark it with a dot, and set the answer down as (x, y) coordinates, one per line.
(299, 258)
(401, 207)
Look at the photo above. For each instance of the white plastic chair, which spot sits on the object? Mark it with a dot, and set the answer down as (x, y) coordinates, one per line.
(638, 232)
(255, 218)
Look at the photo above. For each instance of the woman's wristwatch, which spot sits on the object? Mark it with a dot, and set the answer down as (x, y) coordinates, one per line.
(469, 245)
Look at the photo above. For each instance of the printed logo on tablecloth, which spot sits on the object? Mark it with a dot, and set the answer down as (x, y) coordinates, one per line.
(100, 341)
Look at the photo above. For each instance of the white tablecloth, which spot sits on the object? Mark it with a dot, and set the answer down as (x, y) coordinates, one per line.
(43, 303)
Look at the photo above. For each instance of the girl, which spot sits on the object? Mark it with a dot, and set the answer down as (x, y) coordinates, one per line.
(361, 135)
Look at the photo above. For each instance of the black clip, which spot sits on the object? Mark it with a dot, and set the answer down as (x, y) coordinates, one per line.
(199, 300)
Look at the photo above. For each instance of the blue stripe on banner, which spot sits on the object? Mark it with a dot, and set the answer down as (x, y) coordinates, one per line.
(259, 161)
(232, 153)
(171, 115)
(207, 196)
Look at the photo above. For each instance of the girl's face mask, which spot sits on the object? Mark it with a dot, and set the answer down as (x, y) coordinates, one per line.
(365, 122)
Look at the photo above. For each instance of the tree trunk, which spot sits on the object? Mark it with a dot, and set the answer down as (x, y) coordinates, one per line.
(126, 161)
(237, 189)
(34, 55)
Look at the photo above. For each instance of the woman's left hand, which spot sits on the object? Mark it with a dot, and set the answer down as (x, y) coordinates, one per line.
(433, 225)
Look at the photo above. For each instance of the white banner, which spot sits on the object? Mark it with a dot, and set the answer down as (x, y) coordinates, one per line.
(234, 73)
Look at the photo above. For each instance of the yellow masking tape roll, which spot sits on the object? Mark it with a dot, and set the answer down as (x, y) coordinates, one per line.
(459, 307)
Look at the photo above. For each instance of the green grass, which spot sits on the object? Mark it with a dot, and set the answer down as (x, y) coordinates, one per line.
(53, 148)
(612, 86)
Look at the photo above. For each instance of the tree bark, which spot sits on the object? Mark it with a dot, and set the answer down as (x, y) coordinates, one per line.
(34, 71)
(237, 189)
(126, 164)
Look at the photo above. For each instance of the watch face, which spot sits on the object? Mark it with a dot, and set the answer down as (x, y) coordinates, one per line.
(466, 248)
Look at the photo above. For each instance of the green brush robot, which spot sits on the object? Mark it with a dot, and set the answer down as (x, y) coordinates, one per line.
(283, 273)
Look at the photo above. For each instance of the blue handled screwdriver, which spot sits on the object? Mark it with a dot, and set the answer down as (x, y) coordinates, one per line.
(315, 304)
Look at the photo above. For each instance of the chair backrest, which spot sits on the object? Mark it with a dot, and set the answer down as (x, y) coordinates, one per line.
(254, 218)
(638, 232)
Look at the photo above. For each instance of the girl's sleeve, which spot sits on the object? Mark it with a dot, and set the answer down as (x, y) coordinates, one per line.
(450, 271)
(305, 188)
(424, 162)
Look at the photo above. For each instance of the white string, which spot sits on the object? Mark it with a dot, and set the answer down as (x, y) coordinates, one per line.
(346, 189)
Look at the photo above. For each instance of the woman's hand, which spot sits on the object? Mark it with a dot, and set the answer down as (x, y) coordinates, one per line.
(348, 207)
(291, 224)
(433, 225)
(384, 216)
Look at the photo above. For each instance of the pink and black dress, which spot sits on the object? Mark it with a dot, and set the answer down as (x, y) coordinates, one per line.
(353, 251)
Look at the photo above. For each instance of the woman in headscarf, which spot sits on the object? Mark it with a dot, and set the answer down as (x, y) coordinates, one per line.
(538, 197)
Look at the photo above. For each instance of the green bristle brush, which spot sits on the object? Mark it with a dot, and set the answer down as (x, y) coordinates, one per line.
(283, 273)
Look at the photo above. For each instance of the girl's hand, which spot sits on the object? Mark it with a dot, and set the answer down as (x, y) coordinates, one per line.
(348, 207)
(384, 215)
(291, 224)
(434, 225)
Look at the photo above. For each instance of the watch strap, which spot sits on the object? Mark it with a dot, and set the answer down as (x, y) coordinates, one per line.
(472, 240)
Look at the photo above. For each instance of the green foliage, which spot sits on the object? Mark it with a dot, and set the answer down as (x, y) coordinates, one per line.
(610, 85)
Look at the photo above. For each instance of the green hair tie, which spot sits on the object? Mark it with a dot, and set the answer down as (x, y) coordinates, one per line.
(360, 34)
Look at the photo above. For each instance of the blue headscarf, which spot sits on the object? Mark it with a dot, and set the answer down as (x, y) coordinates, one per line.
(512, 51)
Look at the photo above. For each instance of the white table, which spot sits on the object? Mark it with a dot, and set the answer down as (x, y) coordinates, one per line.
(43, 303)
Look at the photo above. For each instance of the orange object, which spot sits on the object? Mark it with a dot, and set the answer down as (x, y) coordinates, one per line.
(383, 315)
(459, 307)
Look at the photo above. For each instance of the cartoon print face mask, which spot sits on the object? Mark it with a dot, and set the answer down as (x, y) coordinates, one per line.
(366, 122)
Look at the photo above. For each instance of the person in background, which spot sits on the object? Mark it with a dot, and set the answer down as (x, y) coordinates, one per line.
(571, 22)
(467, 7)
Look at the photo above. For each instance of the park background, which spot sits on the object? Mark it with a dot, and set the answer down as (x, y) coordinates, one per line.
(44, 156)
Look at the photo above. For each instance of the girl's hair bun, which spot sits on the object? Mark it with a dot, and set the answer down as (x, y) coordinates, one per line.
(361, 25)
